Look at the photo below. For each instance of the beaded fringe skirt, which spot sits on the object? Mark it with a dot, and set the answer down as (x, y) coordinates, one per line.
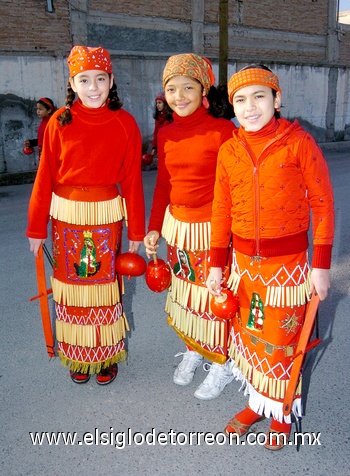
(90, 321)
(273, 293)
(188, 300)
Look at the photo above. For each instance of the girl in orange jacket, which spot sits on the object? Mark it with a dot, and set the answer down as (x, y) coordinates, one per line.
(269, 176)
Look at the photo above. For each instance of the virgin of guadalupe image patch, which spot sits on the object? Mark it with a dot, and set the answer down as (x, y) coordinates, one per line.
(183, 268)
(86, 252)
(256, 313)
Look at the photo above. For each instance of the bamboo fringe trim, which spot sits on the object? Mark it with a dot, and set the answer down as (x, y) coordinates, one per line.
(91, 367)
(233, 280)
(288, 296)
(277, 296)
(188, 294)
(217, 355)
(189, 236)
(87, 213)
(91, 335)
(125, 211)
(272, 387)
(209, 332)
(85, 296)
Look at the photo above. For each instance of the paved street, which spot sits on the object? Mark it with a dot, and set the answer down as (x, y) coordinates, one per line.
(37, 394)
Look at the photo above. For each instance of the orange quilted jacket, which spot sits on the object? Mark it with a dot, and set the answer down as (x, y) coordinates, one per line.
(265, 207)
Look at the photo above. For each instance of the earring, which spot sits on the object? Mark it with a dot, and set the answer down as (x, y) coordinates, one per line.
(205, 102)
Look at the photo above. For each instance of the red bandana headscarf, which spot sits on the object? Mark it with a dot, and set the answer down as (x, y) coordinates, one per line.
(250, 77)
(189, 64)
(84, 58)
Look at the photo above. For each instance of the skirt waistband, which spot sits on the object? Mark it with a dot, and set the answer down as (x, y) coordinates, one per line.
(87, 193)
(191, 215)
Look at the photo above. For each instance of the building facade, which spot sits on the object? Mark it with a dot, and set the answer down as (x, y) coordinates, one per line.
(301, 41)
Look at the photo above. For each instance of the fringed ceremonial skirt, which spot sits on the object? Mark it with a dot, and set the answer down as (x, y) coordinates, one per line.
(188, 299)
(273, 293)
(86, 239)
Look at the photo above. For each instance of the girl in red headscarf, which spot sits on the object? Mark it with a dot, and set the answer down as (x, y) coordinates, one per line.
(44, 109)
(90, 146)
(270, 175)
(181, 210)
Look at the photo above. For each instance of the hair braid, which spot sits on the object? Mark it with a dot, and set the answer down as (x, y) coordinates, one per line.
(114, 102)
(66, 116)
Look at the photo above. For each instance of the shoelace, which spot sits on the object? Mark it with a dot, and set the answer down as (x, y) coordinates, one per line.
(216, 374)
(188, 360)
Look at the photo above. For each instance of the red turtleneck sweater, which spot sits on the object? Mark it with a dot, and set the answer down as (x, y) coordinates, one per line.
(187, 157)
(99, 148)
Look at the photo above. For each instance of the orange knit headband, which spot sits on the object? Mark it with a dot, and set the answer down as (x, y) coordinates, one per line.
(249, 77)
(84, 58)
(189, 64)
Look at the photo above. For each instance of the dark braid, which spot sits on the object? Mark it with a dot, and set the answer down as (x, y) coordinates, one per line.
(218, 103)
(66, 116)
(114, 103)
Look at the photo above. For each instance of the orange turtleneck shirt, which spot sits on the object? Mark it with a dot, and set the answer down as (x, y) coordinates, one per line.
(187, 158)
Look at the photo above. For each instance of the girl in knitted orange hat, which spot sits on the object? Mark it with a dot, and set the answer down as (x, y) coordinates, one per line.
(187, 154)
(90, 147)
(269, 176)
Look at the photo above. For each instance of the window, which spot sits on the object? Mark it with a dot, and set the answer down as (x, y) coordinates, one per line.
(344, 11)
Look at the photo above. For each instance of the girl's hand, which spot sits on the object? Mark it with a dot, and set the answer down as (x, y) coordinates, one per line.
(150, 242)
(214, 281)
(34, 244)
(320, 281)
(134, 246)
(27, 143)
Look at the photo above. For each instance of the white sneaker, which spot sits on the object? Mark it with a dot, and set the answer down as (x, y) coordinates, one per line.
(216, 380)
(184, 372)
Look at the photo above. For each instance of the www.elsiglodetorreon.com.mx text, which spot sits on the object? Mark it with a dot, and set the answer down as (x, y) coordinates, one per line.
(122, 439)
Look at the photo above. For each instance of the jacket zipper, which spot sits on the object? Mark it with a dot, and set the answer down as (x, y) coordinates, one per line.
(257, 257)
(256, 198)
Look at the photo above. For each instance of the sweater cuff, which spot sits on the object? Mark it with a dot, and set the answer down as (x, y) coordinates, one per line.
(218, 257)
(322, 256)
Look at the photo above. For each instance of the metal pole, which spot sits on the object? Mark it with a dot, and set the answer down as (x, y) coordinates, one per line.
(223, 44)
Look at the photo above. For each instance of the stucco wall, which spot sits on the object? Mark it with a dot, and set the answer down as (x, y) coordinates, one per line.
(304, 92)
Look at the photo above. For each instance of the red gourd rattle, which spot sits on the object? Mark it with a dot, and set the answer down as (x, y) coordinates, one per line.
(130, 264)
(226, 305)
(158, 275)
